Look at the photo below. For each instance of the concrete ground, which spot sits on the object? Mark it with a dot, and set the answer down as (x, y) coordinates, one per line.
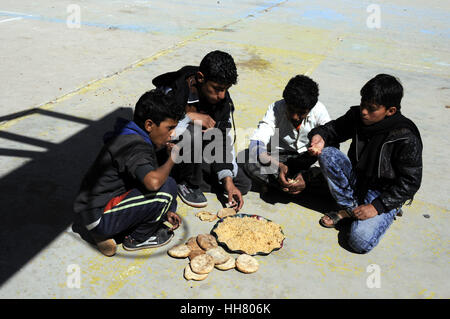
(63, 87)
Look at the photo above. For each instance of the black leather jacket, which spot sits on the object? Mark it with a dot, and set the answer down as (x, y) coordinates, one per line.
(399, 164)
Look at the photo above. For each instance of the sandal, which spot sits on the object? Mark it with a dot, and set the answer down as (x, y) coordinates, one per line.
(335, 216)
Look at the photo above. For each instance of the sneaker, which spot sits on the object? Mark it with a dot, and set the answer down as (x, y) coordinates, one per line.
(162, 237)
(192, 196)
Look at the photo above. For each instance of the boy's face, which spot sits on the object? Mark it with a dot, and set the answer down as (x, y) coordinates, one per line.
(162, 133)
(372, 113)
(295, 116)
(211, 91)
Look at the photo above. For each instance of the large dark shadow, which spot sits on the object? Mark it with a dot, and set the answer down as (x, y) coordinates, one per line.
(37, 198)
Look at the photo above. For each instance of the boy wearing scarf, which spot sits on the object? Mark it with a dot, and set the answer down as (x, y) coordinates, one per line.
(383, 169)
(126, 191)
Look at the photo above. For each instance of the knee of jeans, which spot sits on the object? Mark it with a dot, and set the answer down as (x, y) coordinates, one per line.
(327, 153)
(360, 239)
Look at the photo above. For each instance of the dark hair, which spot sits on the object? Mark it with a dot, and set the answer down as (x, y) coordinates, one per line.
(384, 89)
(219, 66)
(301, 93)
(157, 106)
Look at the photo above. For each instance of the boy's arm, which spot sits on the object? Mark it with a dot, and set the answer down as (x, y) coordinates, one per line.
(338, 130)
(140, 163)
(266, 127)
(154, 179)
(262, 135)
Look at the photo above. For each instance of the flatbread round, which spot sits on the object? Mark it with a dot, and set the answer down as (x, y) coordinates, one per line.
(190, 275)
(206, 216)
(206, 241)
(225, 212)
(192, 244)
(247, 264)
(218, 254)
(229, 264)
(195, 253)
(179, 251)
(202, 264)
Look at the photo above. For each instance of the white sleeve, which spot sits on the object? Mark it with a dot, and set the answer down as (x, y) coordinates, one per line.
(226, 172)
(182, 126)
(322, 116)
(266, 127)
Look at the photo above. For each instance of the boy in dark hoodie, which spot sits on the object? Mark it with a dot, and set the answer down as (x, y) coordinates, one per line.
(209, 108)
(126, 191)
(383, 169)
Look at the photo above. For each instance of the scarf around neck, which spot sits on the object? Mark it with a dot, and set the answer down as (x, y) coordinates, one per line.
(374, 136)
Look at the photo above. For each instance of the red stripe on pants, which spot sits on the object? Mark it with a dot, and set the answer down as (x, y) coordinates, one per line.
(115, 201)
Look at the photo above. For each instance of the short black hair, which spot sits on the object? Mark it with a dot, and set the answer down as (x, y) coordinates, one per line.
(301, 93)
(383, 89)
(157, 106)
(219, 67)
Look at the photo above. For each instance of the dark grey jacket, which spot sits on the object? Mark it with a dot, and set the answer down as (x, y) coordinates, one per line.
(399, 164)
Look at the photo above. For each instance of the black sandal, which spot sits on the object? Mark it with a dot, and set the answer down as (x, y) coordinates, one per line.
(335, 218)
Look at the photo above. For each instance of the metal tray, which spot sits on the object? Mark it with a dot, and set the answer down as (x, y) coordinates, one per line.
(224, 245)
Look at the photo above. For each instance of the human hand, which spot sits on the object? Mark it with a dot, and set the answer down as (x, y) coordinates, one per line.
(173, 219)
(316, 146)
(366, 211)
(297, 185)
(282, 177)
(172, 150)
(204, 120)
(235, 199)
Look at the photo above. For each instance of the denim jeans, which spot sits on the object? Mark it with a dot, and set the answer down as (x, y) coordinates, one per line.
(364, 234)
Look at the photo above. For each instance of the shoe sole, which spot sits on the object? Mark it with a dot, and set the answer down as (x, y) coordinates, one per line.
(107, 247)
(147, 247)
(196, 205)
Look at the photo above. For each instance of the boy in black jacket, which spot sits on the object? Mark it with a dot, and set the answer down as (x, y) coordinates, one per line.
(383, 169)
(126, 191)
(209, 110)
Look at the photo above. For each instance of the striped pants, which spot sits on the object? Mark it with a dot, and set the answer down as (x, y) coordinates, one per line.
(136, 213)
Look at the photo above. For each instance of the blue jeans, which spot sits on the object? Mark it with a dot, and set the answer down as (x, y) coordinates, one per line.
(337, 169)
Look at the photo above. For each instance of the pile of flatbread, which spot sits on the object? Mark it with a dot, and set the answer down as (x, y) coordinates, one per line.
(205, 254)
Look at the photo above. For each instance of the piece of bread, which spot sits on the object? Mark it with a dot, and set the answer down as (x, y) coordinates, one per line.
(179, 251)
(229, 264)
(202, 264)
(206, 241)
(190, 275)
(206, 216)
(192, 244)
(247, 264)
(195, 253)
(218, 254)
(225, 212)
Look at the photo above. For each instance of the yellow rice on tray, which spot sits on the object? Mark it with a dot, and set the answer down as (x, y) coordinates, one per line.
(249, 234)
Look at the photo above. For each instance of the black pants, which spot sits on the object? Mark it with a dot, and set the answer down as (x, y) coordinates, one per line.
(296, 163)
(138, 213)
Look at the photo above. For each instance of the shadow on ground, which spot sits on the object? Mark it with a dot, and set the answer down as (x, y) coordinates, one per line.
(37, 197)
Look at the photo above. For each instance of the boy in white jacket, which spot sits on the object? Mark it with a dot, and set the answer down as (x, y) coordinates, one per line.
(278, 147)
